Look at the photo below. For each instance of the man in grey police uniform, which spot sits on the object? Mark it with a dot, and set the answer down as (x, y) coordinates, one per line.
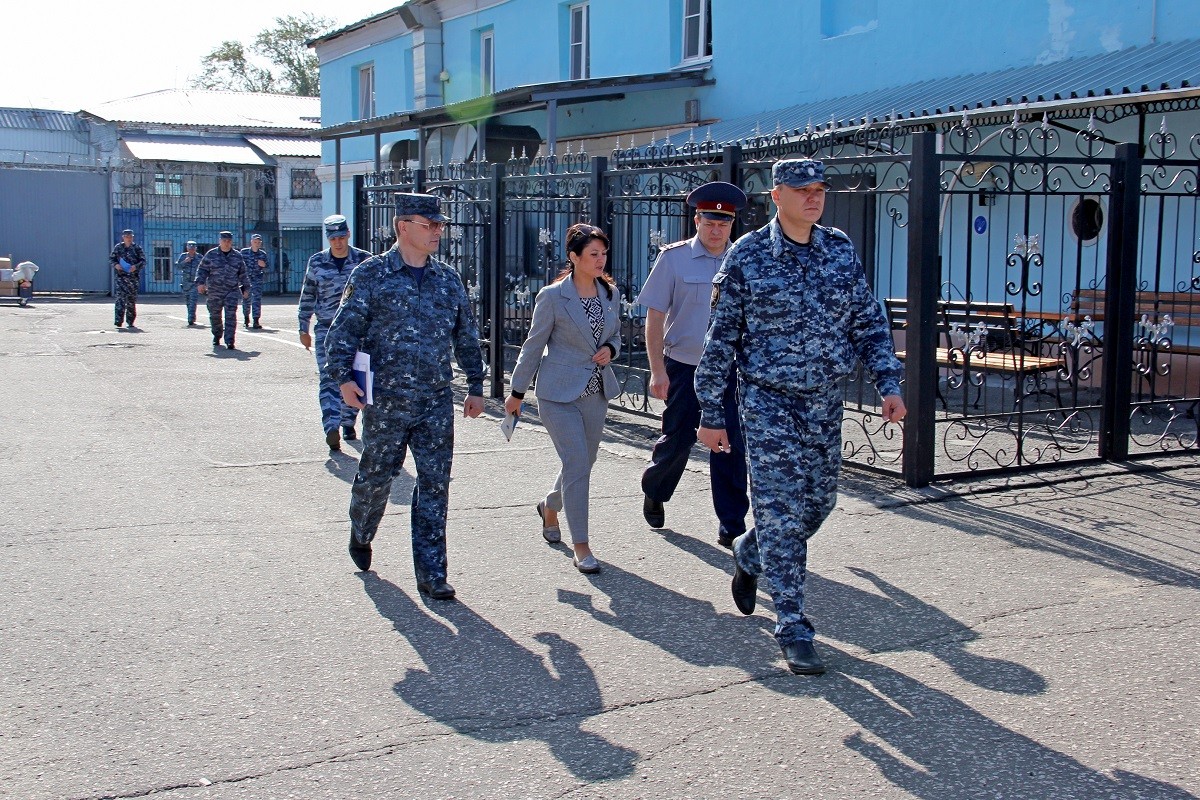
(792, 309)
(677, 294)
(320, 294)
(410, 312)
(257, 259)
(186, 265)
(221, 277)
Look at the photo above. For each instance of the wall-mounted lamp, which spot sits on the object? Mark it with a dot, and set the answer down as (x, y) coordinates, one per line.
(444, 76)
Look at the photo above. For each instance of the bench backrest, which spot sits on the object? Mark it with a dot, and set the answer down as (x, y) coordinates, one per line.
(1184, 307)
(962, 322)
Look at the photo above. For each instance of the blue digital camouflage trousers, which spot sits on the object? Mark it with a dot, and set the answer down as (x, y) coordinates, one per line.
(253, 303)
(226, 305)
(334, 410)
(125, 293)
(391, 428)
(794, 448)
(190, 296)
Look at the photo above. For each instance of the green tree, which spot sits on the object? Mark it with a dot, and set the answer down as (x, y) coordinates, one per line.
(278, 60)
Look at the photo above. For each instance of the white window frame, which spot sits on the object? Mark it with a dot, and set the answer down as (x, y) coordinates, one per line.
(487, 62)
(169, 184)
(699, 49)
(579, 42)
(162, 259)
(305, 184)
(366, 91)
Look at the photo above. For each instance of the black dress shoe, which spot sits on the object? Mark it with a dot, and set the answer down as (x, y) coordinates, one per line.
(348, 433)
(744, 589)
(360, 553)
(437, 588)
(802, 658)
(230, 346)
(654, 512)
(725, 538)
(334, 441)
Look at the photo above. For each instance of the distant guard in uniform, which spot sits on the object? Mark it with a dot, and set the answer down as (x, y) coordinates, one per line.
(792, 310)
(221, 277)
(257, 259)
(127, 260)
(324, 281)
(677, 294)
(186, 265)
(410, 313)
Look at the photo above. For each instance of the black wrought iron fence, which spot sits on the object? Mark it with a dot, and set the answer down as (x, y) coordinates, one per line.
(1003, 258)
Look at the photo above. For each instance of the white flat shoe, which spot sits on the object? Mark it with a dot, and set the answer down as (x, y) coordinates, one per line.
(589, 565)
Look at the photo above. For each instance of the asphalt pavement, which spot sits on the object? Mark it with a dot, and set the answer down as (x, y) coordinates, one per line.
(180, 617)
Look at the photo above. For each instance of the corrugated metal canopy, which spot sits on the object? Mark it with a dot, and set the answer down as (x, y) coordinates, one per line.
(279, 146)
(1106, 78)
(212, 108)
(193, 149)
(39, 120)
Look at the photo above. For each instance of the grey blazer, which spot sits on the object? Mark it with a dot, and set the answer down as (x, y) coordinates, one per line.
(560, 328)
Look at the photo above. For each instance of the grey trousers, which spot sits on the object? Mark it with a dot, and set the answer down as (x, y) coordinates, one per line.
(575, 429)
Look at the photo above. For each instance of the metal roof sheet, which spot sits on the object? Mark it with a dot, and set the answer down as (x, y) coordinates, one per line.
(40, 120)
(194, 149)
(1151, 68)
(284, 146)
(214, 109)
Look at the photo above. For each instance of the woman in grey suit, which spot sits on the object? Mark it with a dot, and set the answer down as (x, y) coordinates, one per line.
(574, 335)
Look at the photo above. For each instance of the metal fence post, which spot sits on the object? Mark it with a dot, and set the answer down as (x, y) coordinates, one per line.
(495, 280)
(596, 191)
(920, 338)
(419, 181)
(1121, 266)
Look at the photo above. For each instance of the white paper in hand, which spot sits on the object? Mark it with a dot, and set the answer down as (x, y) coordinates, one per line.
(508, 426)
(364, 376)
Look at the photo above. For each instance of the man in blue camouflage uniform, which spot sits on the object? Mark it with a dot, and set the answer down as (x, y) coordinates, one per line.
(409, 312)
(324, 281)
(186, 265)
(257, 259)
(222, 278)
(677, 295)
(127, 260)
(791, 307)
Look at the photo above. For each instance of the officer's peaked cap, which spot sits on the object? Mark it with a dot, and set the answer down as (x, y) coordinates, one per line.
(127, 232)
(190, 243)
(419, 205)
(224, 235)
(717, 200)
(256, 236)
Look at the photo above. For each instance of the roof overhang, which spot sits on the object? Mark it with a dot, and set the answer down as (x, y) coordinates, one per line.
(194, 149)
(521, 98)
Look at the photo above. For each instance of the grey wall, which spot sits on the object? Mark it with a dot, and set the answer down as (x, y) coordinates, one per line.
(61, 221)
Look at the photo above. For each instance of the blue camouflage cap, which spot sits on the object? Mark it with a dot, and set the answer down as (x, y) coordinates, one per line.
(798, 172)
(717, 200)
(224, 235)
(335, 226)
(419, 205)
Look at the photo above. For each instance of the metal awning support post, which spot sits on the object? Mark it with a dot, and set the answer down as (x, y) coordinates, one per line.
(551, 127)
(337, 176)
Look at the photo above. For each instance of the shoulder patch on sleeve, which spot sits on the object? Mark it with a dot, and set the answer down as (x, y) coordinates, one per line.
(718, 279)
(348, 292)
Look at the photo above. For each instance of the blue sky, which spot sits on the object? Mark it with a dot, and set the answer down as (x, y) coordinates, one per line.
(68, 55)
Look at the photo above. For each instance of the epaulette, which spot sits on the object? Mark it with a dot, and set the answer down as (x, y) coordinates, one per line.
(838, 233)
(673, 245)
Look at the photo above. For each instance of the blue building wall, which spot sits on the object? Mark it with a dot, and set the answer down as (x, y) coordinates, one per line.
(770, 54)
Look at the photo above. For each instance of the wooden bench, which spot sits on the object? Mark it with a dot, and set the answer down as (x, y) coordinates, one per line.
(1182, 307)
(978, 337)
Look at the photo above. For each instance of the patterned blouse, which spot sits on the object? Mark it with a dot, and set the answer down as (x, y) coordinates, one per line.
(595, 315)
